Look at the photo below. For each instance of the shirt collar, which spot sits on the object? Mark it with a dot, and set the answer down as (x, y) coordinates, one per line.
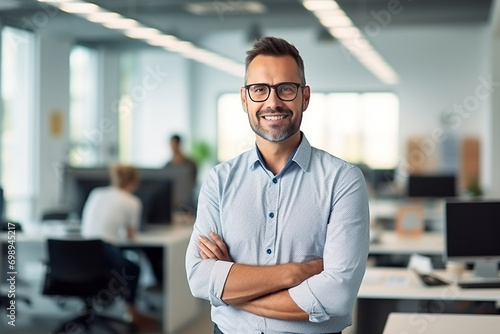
(301, 156)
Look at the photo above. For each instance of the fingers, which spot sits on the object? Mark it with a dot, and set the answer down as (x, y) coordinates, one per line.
(205, 251)
(213, 249)
(209, 248)
(224, 254)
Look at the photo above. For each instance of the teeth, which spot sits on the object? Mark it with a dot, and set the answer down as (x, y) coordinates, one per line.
(274, 118)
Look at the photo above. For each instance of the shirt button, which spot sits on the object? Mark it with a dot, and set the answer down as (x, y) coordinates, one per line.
(275, 180)
(268, 251)
(271, 215)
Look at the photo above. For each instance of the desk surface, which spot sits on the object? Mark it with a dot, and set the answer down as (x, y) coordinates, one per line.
(435, 323)
(401, 283)
(430, 243)
(153, 236)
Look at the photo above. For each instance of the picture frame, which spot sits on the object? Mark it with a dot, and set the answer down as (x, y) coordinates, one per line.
(410, 220)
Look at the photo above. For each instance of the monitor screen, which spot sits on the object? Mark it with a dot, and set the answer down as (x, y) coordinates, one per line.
(431, 186)
(156, 191)
(156, 198)
(473, 231)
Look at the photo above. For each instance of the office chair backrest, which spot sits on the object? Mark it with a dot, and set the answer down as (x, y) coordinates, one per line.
(74, 261)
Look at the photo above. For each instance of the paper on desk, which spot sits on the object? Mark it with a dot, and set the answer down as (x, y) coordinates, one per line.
(421, 264)
(397, 280)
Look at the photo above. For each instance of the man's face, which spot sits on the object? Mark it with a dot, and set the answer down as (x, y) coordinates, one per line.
(274, 120)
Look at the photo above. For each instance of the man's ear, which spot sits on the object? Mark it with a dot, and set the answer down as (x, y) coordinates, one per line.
(306, 97)
(243, 97)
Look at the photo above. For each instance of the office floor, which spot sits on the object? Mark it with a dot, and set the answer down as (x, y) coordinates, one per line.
(44, 314)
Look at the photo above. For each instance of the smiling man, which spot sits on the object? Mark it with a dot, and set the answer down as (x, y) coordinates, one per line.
(281, 235)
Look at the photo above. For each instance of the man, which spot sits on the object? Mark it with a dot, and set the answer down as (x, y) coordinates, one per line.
(179, 159)
(281, 236)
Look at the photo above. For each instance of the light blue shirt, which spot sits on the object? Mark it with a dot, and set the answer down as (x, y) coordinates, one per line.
(316, 207)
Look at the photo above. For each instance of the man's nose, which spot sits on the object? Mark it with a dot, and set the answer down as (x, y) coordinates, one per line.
(273, 101)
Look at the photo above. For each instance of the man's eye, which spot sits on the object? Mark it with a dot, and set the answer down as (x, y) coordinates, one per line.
(259, 89)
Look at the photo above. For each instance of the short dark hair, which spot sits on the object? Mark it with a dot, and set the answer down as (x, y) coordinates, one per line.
(176, 138)
(275, 46)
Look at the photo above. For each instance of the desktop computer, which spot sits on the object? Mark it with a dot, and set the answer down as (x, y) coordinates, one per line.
(472, 235)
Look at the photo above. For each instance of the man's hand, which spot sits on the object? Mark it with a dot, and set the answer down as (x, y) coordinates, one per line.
(213, 249)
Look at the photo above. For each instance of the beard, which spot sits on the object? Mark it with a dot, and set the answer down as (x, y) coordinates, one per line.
(278, 132)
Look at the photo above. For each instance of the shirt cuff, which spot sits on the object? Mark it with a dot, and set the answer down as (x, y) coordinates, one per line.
(303, 297)
(218, 278)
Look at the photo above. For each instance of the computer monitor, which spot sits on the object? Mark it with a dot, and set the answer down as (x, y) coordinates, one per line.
(472, 232)
(156, 198)
(431, 186)
(156, 191)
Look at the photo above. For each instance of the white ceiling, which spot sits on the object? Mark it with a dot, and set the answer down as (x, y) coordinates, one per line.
(172, 16)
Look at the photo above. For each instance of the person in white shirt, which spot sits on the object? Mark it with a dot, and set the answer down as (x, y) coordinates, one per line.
(113, 214)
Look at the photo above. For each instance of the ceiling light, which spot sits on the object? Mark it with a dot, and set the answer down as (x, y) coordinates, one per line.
(101, 17)
(335, 21)
(142, 32)
(221, 8)
(317, 5)
(152, 36)
(340, 26)
(161, 40)
(121, 23)
(78, 7)
(345, 32)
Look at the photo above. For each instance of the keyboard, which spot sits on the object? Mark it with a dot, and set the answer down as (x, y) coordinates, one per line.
(486, 284)
(431, 280)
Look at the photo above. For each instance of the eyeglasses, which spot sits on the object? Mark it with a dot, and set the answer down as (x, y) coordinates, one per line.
(286, 91)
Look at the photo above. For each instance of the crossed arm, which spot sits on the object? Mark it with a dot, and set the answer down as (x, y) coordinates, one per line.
(261, 290)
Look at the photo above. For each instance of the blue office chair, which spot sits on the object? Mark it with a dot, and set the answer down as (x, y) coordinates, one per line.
(78, 268)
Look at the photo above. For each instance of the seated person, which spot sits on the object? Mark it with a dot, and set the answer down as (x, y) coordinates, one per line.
(111, 214)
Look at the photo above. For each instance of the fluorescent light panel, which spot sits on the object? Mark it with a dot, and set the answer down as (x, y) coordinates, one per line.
(338, 24)
(152, 36)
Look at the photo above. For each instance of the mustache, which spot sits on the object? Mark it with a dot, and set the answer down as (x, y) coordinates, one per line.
(278, 110)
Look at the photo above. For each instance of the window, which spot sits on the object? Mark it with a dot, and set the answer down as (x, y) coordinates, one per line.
(17, 115)
(153, 105)
(357, 127)
(83, 113)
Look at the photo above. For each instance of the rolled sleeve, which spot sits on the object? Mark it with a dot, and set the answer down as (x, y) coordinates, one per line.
(308, 303)
(218, 277)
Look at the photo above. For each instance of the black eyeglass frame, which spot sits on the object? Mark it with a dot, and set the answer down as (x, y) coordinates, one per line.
(275, 87)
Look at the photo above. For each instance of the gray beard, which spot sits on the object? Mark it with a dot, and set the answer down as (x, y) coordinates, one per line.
(274, 137)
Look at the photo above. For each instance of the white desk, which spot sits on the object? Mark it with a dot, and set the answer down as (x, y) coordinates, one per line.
(179, 306)
(386, 290)
(432, 323)
(401, 283)
(429, 243)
